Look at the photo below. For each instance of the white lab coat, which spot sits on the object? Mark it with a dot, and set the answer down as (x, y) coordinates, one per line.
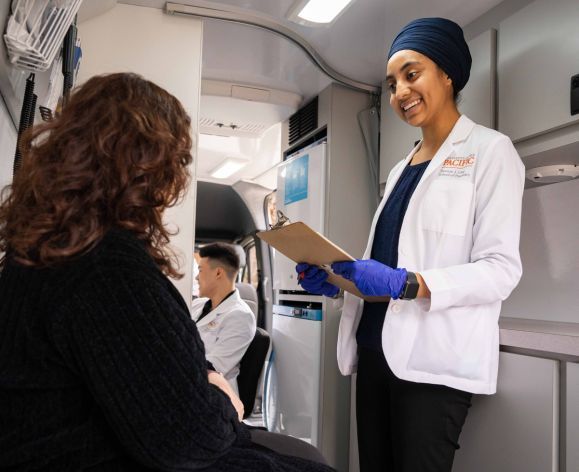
(461, 232)
(226, 332)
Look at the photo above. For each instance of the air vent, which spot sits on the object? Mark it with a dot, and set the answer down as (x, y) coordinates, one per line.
(303, 121)
(206, 122)
(248, 129)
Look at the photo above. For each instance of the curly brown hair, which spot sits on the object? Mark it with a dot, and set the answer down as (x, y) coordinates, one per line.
(117, 156)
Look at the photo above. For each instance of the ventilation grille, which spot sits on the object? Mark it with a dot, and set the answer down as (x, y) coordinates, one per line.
(210, 126)
(303, 121)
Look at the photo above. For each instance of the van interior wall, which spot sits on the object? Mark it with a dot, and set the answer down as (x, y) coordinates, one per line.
(166, 50)
(7, 145)
(549, 288)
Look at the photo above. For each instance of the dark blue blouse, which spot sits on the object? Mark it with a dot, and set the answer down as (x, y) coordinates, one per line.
(385, 250)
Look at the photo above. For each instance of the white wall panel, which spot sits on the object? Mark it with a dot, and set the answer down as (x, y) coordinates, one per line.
(166, 50)
(549, 288)
(7, 145)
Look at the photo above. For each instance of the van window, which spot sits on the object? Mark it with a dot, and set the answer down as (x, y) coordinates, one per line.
(250, 274)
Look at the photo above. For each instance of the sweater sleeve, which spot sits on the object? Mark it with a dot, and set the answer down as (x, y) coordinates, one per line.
(139, 353)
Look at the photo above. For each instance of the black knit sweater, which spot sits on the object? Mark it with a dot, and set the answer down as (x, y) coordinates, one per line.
(102, 369)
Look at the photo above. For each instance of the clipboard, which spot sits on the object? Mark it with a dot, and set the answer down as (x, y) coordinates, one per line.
(300, 243)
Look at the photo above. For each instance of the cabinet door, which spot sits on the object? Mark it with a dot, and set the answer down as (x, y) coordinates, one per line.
(512, 430)
(538, 50)
(572, 419)
(397, 138)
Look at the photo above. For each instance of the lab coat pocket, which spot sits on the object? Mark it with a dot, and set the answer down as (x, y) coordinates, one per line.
(454, 343)
(446, 207)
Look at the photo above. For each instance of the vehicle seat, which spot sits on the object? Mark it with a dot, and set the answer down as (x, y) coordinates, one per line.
(250, 369)
(249, 295)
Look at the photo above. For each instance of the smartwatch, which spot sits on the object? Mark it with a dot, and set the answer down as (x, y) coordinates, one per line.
(411, 287)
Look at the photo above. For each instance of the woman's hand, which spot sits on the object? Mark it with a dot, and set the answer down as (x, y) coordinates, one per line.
(313, 280)
(373, 278)
(218, 380)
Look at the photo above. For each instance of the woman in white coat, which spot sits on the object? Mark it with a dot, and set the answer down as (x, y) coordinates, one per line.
(444, 246)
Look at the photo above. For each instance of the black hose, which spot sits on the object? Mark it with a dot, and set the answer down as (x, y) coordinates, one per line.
(26, 119)
(68, 48)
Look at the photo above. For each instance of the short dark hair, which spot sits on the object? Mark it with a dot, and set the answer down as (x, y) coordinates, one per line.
(224, 254)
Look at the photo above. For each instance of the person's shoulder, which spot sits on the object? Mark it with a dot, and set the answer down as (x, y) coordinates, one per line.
(484, 136)
(118, 255)
(121, 249)
(241, 314)
(492, 149)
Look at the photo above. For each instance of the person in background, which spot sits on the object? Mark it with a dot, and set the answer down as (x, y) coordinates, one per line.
(101, 366)
(444, 248)
(195, 274)
(225, 322)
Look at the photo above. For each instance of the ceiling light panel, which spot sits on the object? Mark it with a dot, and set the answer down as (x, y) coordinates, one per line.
(317, 12)
(227, 168)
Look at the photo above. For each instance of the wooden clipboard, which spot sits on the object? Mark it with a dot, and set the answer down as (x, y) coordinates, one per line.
(301, 243)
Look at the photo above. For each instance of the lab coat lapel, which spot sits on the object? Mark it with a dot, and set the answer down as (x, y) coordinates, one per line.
(224, 307)
(460, 131)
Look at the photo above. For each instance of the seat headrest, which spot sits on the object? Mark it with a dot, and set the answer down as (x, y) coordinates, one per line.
(249, 295)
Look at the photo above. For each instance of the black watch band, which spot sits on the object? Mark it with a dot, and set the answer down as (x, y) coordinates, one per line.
(411, 288)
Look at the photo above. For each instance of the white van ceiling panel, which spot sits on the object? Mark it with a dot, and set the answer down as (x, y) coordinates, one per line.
(225, 116)
(261, 154)
(356, 44)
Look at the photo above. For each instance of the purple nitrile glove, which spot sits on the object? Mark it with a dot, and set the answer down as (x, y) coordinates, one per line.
(313, 280)
(373, 278)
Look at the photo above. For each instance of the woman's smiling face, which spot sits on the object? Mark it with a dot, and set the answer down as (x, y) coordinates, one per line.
(419, 89)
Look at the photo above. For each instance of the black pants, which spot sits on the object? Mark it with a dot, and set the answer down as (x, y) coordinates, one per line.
(405, 426)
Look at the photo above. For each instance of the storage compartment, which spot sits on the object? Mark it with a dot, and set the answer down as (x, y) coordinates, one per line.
(513, 430)
(538, 51)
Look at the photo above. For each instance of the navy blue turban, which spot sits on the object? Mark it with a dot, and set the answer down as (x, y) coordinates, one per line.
(442, 41)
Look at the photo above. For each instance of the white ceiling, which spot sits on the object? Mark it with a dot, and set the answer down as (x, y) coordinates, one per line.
(355, 45)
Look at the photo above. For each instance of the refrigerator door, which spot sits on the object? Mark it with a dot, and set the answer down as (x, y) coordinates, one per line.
(294, 386)
(301, 192)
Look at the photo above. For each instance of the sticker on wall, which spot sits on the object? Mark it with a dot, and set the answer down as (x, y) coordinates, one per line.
(296, 180)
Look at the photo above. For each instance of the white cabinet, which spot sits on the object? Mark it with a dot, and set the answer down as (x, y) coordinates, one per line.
(397, 138)
(538, 54)
(572, 419)
(478, 96)
(513, 430)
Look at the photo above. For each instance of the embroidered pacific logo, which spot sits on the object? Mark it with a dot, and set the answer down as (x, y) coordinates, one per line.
(459, 162)
(458, 167)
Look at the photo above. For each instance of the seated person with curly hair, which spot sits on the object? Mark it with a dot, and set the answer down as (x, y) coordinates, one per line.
(101, 366)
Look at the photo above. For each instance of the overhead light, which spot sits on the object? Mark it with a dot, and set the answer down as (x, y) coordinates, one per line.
(316, 12)
(227, 168)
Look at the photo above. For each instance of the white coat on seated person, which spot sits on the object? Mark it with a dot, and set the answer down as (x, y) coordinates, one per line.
(226, 332)
(467, 208)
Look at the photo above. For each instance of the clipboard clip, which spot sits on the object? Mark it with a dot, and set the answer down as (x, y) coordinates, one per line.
(282, 220)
